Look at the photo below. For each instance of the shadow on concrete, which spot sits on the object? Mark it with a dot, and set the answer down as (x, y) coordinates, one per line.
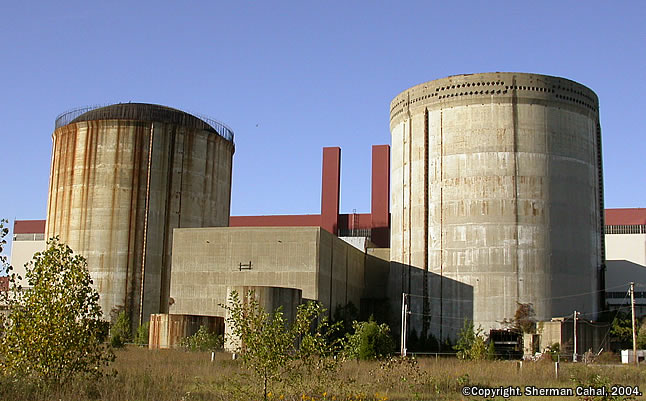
(438, 305)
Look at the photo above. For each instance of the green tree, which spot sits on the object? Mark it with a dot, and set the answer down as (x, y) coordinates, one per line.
(260, 337)
(315, 359)
(270, 347)
(54, 330)
(621, 329)
(120, 330)
(472, 345)
(369, 341)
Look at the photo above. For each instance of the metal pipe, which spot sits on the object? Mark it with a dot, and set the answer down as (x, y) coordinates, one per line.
(147, 208)
(403, 326)
(574, 345)
(632, 308)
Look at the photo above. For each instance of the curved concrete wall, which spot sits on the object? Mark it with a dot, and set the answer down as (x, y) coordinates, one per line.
(496, 198)
(115, 200)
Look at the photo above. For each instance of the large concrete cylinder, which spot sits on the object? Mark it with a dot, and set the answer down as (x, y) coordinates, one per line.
(122, 178)
(496, 199)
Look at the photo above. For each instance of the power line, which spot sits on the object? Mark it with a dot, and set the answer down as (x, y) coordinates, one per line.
(539, 299)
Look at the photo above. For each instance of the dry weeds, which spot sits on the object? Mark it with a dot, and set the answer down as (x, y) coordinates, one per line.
(144, 375)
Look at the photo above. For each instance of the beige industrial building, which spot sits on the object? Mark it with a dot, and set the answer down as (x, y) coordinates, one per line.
(591, 337)
(496, 185)
(626, 258)
(208, 261)
(122, 178)
(28, 238)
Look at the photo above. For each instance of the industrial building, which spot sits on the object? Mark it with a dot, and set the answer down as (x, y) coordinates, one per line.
(330, 257)
(28, 238)
(626, 258)
(207, 261)
(492, 196)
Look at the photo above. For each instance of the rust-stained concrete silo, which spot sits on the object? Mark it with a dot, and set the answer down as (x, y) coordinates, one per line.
(122, 178)
(497, 199)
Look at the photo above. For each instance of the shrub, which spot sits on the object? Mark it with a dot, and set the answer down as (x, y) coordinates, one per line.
(472, 344)
(141, 337)
(202, 340)
(369, 341)
(120, 330)
(554, 350)
(641, 335)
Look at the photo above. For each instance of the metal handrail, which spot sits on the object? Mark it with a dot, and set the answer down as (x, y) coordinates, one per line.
(67, 117)
(221, 128)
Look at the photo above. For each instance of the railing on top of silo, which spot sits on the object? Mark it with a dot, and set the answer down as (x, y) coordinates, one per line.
(220, 127)
(67, 117)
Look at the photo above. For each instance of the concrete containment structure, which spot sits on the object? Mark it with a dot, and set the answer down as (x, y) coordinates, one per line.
(122, 178)
(496, 199)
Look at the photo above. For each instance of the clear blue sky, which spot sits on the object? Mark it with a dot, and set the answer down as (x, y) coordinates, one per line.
(293, 77)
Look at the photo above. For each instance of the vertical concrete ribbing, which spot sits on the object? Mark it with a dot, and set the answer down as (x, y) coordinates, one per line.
(514, 145)
(94, 206)
(425, 293)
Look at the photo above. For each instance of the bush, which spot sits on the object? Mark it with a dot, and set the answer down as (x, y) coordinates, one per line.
(202, 340)
(141, 337)
(369, 341)
(120, 330)
(641, 335)
(471, 344)
(554, 350)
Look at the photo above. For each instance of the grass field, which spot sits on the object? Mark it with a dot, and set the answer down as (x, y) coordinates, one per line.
(143, 375)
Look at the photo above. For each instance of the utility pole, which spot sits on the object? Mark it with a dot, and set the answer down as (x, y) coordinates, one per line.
(574, 353)
(404, 324)
(632, 308)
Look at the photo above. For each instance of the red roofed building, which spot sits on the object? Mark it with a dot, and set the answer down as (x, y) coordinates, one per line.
(28, 238)
(618, 220)
(29, 227)
(626, 257)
